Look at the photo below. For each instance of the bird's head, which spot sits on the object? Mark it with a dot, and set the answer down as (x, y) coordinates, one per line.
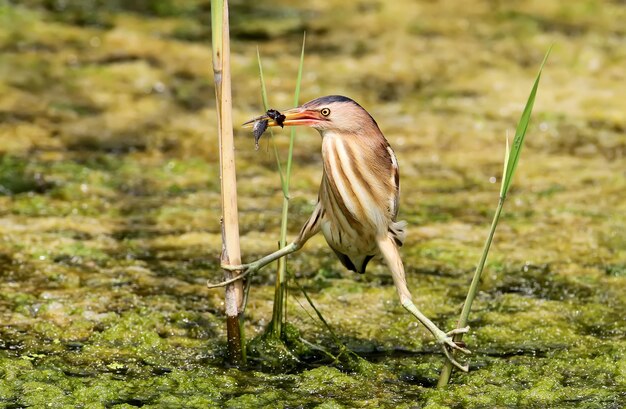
(333, 113)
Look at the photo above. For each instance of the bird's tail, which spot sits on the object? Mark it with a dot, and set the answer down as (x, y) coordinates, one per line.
(397, 231)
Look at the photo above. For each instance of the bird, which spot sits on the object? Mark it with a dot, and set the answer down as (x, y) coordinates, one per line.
(358, 199)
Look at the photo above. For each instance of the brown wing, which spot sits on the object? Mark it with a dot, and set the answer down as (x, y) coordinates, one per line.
(395, 178)
(397, 229)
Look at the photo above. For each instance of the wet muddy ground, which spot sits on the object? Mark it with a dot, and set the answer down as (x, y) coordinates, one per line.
(109, 203)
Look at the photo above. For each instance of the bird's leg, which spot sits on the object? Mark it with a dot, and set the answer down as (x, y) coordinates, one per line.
(251, 268)
(263, 261)
(310, 228)
(392, 257)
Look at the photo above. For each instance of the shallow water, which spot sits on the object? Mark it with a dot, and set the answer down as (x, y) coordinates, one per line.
(110, 205)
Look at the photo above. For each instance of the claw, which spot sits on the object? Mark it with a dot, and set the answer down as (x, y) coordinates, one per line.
(448, 345)
(464, 368)
(460, 343)
(459, 346)
(245, 269)
(458, 331)
(230, 267)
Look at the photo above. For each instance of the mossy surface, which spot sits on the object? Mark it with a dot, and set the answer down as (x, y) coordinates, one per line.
(109, 204)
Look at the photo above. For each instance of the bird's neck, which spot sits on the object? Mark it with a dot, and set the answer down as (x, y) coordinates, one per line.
(365, 144)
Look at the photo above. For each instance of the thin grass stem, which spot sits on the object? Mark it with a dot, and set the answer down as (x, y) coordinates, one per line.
(281, 287)
(510, 164)
(266, 106)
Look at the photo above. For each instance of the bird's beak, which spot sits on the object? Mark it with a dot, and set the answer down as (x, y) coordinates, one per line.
(293, 117)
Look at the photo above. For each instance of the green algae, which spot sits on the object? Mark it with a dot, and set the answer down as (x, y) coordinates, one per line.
(110, 208)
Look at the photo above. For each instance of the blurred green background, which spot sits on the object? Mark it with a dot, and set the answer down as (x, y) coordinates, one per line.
(109, 201)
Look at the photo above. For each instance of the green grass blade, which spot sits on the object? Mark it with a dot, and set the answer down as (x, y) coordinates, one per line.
(520, 132)
(510, 163)
(507, 154)
(266, 106)
(262, 78)
(296, 99)
(300, 69)
(281, 287)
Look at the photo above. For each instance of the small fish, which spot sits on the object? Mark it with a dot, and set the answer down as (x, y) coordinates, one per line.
(260, 125)
(257, 130)
(276, 116)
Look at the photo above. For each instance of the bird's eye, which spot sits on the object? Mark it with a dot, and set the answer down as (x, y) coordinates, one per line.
(325, 112)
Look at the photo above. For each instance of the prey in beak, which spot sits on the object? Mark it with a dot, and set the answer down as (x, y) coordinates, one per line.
(260, 124)
(294, 117)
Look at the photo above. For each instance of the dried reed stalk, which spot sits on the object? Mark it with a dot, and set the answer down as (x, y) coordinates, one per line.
(231, 254)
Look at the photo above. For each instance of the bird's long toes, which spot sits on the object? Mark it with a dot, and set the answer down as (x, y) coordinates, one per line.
(460, 346)
(231, 267)
(456, 331)
(456, 345)
(464, 368)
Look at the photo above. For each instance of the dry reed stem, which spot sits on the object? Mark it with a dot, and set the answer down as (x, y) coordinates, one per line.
(231, 253)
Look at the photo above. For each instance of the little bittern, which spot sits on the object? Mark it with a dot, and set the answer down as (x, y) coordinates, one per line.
(358, 198)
